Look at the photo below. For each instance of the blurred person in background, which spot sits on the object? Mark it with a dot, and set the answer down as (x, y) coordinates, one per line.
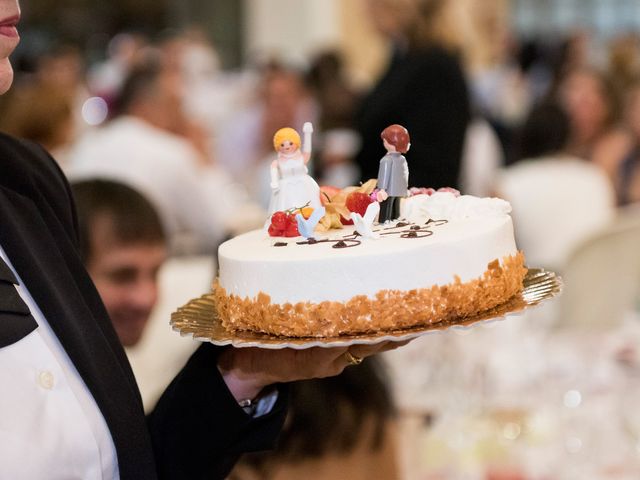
(624, 62)
(500, 92)
(245, 143)
(123, 52)
(123, 246)
(628, 176)
(43, 114)
(576, 53)
(337, 101)
(210, 93)
(46, 105)
(588, 97)
(151, 146)
(535, 56)
(423, 89)
(61, 68)
(341, 427)
(558, 199)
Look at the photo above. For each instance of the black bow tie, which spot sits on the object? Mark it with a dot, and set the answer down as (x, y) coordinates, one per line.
(16, 321)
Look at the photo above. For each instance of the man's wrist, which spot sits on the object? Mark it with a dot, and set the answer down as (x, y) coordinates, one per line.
(262, 404)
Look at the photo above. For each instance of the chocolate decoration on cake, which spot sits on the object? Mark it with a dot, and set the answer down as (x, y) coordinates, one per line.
(348, 241)
(280, 244)
(341, 243)
(417, 234)
(436, 223)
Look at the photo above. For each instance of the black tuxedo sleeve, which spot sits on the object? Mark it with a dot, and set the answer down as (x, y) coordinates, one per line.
(197, 428)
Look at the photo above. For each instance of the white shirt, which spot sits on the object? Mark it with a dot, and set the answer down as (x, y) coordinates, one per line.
(195, 200)
(50, 424)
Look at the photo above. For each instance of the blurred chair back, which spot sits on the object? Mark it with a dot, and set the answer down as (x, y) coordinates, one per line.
(602, 276)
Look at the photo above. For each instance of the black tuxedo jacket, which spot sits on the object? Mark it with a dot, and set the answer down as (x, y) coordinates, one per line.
(197, 430)
(425, 91)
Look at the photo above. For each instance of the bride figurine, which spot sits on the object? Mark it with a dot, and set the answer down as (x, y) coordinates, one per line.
(291, 186)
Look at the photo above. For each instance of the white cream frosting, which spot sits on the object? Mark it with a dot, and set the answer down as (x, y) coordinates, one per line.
(478, 231)
(447, 206)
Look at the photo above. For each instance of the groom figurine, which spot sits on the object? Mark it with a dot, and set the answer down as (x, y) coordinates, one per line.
(393, 176)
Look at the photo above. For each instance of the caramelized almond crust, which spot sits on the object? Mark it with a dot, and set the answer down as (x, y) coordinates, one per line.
(389, 310)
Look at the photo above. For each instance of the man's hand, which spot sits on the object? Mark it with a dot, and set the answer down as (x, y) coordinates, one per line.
(246, 371)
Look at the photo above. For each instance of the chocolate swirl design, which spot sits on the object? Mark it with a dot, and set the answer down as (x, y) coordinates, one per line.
(399, 229)
(343, 243)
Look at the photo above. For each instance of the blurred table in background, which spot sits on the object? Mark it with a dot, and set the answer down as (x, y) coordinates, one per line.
(520, 400)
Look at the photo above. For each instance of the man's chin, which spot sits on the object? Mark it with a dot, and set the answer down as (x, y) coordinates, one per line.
(129, 339)
(130, 331)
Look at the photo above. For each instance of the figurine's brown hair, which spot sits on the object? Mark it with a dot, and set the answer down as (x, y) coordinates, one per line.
(398, 136)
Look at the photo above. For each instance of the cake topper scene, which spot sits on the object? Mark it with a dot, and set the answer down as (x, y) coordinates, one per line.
(340, 241)
(298, 207)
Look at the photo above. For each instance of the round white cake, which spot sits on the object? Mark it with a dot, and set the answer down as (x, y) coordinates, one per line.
(447, 258)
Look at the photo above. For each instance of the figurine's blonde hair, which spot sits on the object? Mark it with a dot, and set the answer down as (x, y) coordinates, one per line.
(286, 133)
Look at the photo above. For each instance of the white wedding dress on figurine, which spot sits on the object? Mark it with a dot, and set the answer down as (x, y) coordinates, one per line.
(295, 187)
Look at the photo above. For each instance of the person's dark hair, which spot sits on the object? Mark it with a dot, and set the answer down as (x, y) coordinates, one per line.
(329, 415)
(326, 67)
(545, 131)
(133, 219)
(139, 82)
(606, 85)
